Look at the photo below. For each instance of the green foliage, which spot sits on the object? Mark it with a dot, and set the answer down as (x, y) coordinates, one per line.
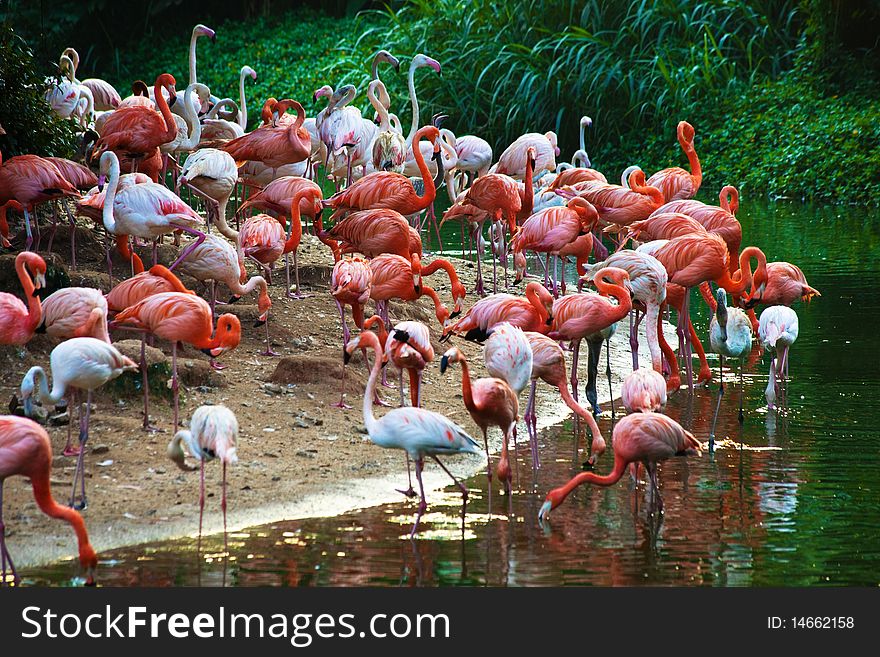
(29, 124)
(290, 54)
(628, 65)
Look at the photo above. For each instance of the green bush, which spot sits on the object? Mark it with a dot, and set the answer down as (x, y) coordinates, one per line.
(31, 127)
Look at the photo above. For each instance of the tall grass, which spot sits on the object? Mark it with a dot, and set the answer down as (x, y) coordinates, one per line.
(511, 67)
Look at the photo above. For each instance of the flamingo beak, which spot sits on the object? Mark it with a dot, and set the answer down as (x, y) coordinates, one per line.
(28, 406)
(258, 323)
(346, 356)
(234, 298)
(90, 576)
(444, 363)
(101, 180)
(544, 513)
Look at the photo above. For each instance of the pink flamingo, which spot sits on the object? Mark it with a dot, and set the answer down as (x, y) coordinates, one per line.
(616, 204)
(83, 364)
(25, 450)
(274, 145)
(212, 433)
(643, 391)
(418, 432)
(351, 283)
(676, 183)
(646, 438)
(490, 402)
(75, 312)
(533, 312)
(551, 230)
(17, 321)
(578, 316)
(548, 364)
(513, 160)
(458, 291)
(396, 277)
(31, 180)
(778, 330)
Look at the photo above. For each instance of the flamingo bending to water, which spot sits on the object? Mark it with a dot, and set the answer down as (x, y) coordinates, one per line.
(646, 438)
(25, 450)
(17, 321)
(778, 330)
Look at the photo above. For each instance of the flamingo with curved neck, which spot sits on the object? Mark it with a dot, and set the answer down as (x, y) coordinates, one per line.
(580, 157)
(417, 61)
(242, 109)
(17, 321)
(388, 58)
(198, 31)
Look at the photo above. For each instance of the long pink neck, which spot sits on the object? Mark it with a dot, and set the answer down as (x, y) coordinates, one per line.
(430, 191)
(693, 160)
(170, 123)
(35, 309)
(610, 479)
(446, 266)
(579, 410)
(535, 300)
(624, 301)
(439, 309)
(48, 505)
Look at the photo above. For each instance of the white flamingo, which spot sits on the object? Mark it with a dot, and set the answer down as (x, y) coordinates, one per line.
(777, 331)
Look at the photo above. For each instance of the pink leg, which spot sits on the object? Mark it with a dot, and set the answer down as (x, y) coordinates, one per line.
(69, 449)
(174, 385)
(345, 335)
(201, 504)
(423, 504)
(268, 351)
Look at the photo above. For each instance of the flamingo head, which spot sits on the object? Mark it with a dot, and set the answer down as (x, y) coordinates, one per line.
(554, 499)
(551, 137)
(416, 268)
(264, 303)
(597, 448)
(685, 132)
(37, 267)
(226, 337)
(89, 561)
(453, 355)
(424, 60)
(388, 58)
(247, 70)
(532, 155)
(326, 91)
(202, 30)
(586, 122)
(458, 294)
(167, 81)
(28, 385)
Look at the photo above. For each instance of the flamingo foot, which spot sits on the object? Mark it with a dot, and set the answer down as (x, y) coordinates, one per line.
(217, 366)
(378, 401)
(341, 404)
(268, 352)
(70, 450)
(409, 492)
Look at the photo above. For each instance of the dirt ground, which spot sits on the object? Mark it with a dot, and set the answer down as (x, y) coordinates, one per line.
(299, 456)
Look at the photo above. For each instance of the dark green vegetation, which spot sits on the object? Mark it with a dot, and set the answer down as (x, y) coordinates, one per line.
(29, 127)
(784, 95)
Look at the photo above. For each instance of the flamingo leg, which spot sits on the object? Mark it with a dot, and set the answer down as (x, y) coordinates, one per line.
(201, 505)
(5, 557)
(223, 507)
(655, 487)
(72, 221)
(345, 335)
(69, 449)
(27, 229)
(531, 424)
(423, 504)
(718, 403)
(608, 375)
(200, 237)
(80, 473)
(741, 417)
(479, 289)
(594, 352)
(174, 385)
(688, 357)
(268, 351)
(488, 463)
(461, 486)
(409, 492)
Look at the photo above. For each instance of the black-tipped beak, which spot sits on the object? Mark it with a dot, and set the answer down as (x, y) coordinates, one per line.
(454, 314)
(517, 281)
(418, 289)
(444, 363)
(233, 298)
(206, 352)
(587, 465)
(445, 337)
(549, 321)
(36, 293)
(345, 357)
(259, 323)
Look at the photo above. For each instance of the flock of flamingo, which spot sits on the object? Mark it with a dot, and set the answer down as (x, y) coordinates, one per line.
(130, 182)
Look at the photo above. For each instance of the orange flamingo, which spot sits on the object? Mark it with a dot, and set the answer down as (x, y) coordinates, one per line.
(675, 183)
(373, 232)
(17, 321)
(351, 283)
(533, 312)
(181, 317)
(551, 231)
(675, 299)
(579, 316)
(137, 131)
(664, 226)
(720, 220)
(4, 224)
(786, 284)
(616, 204)
(548, 364)
(490, 402)
(83, 179)
(396, 277)
(132, 291)
(387, 189)
(310, 196)
(458, 291)
(274, 145)
(646, 438)
(262, 239)
(697, 258)
(75, 312)
(25, 450)
(31, 180)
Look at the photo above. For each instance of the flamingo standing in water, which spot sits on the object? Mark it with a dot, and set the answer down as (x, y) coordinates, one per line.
(647, 281)
(785, 285)
(643, 391)
(533, 312)
(31, 180)
(646, 438)
(212, 433)
(676, 183)
(730, 334)
(417, 431)
(17, 321)
(513, 160)
(550, 231)
(697, 258)
(75, 312)
(490, 402)
(148, 210)
(351, 283)
(25, 450)
(578, 316)
(181, 317)
(84, 364)
(777, 331)
(548, 364)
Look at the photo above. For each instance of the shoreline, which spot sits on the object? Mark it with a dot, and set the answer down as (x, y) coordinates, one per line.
(293, 446)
